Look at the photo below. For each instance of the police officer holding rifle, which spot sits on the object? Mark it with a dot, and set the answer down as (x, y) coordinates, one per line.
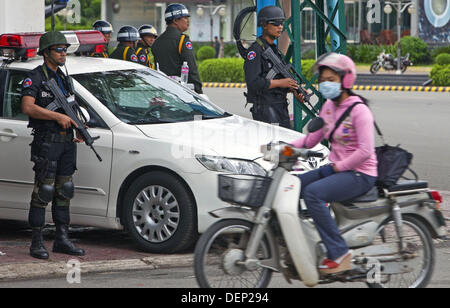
(53, 150)
(267, 91)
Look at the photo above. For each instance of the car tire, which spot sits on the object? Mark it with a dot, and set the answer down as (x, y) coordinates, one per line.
(160, 213)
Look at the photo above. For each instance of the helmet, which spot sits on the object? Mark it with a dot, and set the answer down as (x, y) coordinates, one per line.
(148, 30)
(50, 39)
(269, 13)
(102, 26)
(341, 64)
(175, 11)
(128, 34)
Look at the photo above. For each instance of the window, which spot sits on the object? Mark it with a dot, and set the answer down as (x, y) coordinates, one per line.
(146, 97)
(11, 107)
(308, 20)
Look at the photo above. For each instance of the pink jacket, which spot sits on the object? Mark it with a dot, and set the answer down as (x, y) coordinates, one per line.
(353, 146)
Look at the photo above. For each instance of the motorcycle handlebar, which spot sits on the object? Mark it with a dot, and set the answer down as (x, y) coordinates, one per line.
(315, 154)
(288, 151)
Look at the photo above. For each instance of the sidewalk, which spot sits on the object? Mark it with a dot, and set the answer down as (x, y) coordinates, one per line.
(106, 251)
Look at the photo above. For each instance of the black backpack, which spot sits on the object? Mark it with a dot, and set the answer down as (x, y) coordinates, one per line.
(392, 161)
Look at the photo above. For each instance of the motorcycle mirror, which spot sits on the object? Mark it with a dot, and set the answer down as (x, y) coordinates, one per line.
(315, 124)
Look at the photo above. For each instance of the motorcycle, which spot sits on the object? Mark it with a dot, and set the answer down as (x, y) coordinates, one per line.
(388, 62)
(265, 231)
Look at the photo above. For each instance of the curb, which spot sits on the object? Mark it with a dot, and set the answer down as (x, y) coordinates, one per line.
(360, 88)
(40, 270)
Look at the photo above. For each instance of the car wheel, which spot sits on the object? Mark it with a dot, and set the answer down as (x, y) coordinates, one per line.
(160, 214)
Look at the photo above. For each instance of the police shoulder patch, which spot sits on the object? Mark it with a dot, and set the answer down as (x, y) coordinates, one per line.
(27, 83)
(134, 58)
(189, 45)
(143, 58)
(251, 55)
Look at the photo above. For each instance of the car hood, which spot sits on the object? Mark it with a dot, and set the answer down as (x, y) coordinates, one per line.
(233, 136)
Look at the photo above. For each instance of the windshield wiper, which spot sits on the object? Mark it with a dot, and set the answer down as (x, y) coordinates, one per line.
(153, 121)
(207, 117)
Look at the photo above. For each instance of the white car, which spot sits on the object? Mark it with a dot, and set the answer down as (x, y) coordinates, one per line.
(162, 146)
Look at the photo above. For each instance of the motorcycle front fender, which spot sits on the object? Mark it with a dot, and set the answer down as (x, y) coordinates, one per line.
(234, 212)
(301, 251)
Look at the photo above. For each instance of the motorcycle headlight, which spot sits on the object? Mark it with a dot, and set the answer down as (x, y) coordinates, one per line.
(229, 165)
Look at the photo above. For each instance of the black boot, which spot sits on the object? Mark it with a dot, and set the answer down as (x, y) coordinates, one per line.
(62, 243)
(37, 249)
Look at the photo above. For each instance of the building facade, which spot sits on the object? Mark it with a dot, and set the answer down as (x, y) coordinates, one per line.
(367, 21)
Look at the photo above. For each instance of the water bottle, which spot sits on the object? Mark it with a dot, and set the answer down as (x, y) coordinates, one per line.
(184, 73)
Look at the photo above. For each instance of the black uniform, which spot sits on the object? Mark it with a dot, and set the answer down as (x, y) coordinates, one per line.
(269, 105)
(170, 50)
(52, 151)
(124, 53)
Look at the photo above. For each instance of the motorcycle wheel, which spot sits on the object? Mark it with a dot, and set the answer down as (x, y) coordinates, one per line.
(374, 67)
(218, 251)
(404, 67)
(418, 241)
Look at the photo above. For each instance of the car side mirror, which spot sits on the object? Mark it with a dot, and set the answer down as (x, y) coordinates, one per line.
(86, 114)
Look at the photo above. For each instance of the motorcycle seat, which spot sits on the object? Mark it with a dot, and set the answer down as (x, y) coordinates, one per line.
(407, 185)
(370, 196)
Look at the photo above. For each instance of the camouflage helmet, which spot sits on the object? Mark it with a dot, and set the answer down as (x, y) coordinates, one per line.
(50, 39)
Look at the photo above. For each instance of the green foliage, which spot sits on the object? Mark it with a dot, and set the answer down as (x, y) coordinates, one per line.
(230, 50)
(222, 70)
(437, 51)
(440, 75)
(232, 70)
(365, 53)
(206, 52)
(309, 54)
(307, 66)
(417, 48)
(351, 51)
(443, 59)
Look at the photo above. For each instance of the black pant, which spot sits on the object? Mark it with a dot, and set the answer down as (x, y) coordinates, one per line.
(54, 164)
(273, 114)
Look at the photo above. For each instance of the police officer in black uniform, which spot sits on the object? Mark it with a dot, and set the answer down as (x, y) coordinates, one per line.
(126, 50)
(269, 97)
(106, 29)
(53, 149)
(172, 48)
(144, 53)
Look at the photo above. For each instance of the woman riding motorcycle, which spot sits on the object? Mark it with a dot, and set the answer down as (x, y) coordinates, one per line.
(353, 170)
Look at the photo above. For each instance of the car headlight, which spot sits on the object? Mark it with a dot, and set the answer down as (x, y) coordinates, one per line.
(236, 166)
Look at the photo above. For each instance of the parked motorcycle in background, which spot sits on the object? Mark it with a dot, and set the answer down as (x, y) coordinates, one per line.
(389, 63)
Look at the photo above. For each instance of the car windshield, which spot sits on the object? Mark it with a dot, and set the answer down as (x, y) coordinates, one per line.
(147, 97)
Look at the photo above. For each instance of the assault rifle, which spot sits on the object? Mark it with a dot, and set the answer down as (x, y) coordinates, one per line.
(72, 110)
(287, 71)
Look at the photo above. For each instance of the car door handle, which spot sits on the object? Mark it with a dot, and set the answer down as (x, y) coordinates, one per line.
(8, 134)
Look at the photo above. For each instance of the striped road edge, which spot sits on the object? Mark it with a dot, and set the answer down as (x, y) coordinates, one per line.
(224, 85)
(402, 88)
(360, 88)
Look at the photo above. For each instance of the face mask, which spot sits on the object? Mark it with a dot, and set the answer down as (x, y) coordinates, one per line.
(330, 90)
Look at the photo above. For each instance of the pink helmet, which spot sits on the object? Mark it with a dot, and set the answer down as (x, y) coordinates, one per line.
(341, 64)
